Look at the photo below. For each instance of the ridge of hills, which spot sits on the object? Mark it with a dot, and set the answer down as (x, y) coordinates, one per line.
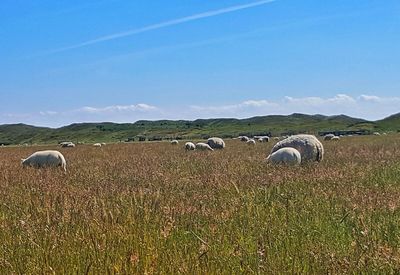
(199, 128)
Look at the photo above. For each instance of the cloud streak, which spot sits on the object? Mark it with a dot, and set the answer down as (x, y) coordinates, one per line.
(141, 107)
(164, 25)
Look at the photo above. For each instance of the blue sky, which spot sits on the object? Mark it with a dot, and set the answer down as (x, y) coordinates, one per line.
(71, 61)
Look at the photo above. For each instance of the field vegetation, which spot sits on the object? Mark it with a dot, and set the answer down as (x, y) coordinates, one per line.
(154, 208)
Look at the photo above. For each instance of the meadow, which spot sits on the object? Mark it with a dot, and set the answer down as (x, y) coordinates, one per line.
(153, 208)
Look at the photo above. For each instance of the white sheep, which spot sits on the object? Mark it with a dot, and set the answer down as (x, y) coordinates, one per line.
(310, 148)
(286, 155)
(328, 136)
(174, 142)
(377, 134)
(216, 143)
(263, 139)
(68, 145)
(203, 146)
(103, 144)
(45, 159)
(251, 142)
(189, 146)
(244, 138)
(335, 138)
(65, 144)
(97, 145)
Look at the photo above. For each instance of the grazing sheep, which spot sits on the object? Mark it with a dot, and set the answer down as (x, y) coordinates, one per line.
(251, 142)
(310, 148)
(216, 143)
(286, 155)
(203, 146)
(103, 144)
(328, 136)
(377, 134)
(174, 142)
(45, 159)
(189, 146)
(263, 139)
(97, 145)
(67, 145)
(331, 137)
(244, 138)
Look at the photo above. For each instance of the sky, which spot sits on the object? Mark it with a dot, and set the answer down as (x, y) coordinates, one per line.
(69, 61)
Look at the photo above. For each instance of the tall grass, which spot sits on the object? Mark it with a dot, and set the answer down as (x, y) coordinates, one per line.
(154, 208)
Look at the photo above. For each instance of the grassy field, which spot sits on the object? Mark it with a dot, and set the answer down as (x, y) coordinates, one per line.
(154, 208)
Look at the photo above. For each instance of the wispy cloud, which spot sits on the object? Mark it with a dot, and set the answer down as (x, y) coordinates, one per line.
(252, 34)
(141, 107)
(377, 99)
(48, 113)
(233, 109)
(164, 25)
(319, 101)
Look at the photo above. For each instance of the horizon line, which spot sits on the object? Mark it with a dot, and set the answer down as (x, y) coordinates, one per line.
(192, 120)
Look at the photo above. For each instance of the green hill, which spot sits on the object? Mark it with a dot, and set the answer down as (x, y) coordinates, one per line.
(200, 128)
(390, 123)
(17, 133)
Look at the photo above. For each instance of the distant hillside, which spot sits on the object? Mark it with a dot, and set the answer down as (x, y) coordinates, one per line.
(16, 133)
(200, 128)
(391, 122)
